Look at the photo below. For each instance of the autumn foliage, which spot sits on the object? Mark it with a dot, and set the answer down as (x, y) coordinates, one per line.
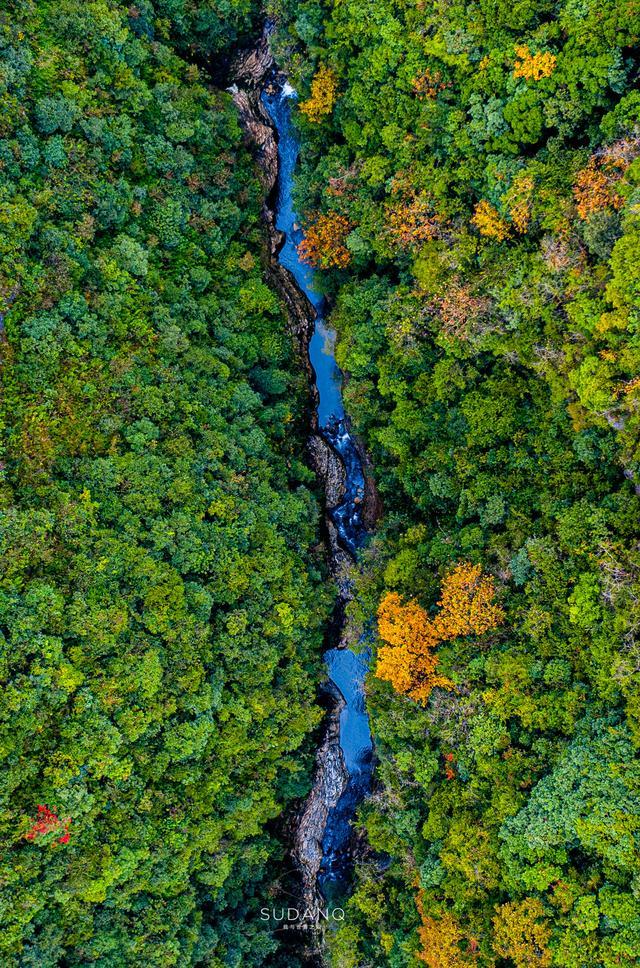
(488, 221)
(411, 221)
(440, 941)
(324, 243)
(533, 67)
(407, 659)
(324, 87)
(461, 312)
(48, 822)
(594, 191)
(428, 84)
(597, 187)
(519, 199)
(522, 934)
(466, 604)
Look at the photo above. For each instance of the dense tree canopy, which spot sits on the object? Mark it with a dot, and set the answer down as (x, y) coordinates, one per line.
(160, 610)
(470, 187)
(486, 159)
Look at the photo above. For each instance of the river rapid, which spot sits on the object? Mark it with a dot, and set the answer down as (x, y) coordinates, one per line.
(346, 669)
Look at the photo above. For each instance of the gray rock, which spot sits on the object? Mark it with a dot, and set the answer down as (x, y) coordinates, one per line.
(329, 782)
(250, 67)
(330, 777)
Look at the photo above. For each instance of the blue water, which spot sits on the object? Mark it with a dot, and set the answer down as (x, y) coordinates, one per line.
(332, 422)
(346, 669)
(321, 349)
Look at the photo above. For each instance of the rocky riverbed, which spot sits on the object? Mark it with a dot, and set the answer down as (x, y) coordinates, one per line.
(350, 499)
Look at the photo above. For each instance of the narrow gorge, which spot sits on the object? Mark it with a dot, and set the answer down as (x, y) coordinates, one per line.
(322, 846)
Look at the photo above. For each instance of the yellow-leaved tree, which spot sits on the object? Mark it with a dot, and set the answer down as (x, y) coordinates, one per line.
(324, 89)
(488, 222)
(440, 944)
(407, 659)
(522, 932)
(533, 67)
(440, 939)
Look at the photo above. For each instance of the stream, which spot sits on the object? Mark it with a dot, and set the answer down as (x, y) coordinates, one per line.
(346, 669)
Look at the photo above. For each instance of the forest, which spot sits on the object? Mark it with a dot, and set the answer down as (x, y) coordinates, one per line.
(162, 603)
(469, 184)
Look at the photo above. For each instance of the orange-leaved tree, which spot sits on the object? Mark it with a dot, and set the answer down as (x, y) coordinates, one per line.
(428, 84)
(324, 88)
(407, 659)
(324, 243)
(461, 312)
(411, 221)
(597, 187)
(595, 190)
